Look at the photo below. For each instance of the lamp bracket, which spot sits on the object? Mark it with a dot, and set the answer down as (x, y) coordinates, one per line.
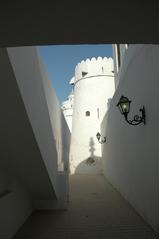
(137, 119)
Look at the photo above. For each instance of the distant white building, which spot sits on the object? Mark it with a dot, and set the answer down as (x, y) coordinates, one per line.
(67, 108)
(93, 88)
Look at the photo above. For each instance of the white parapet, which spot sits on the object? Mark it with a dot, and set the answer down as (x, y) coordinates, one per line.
(94, 67)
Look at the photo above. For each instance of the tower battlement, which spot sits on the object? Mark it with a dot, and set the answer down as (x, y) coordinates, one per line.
(93, 67)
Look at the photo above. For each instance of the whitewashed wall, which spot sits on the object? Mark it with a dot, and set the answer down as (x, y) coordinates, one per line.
(118, 57)
(15, 207)
(60, 128)
(61, 135)
(31, 123)
(68, 113)
(15, 135)
(67, 108)
(131, 154)
(27, 71)
(91, 93)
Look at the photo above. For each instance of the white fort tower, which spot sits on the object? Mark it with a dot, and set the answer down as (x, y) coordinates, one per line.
(93, 88)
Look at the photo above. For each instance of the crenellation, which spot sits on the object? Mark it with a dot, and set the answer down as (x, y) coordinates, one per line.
(93, 67)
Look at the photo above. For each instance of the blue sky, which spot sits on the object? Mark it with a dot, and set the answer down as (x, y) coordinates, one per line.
(60, 62)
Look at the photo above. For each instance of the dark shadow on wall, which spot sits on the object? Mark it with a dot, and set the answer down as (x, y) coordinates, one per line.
(91, 165)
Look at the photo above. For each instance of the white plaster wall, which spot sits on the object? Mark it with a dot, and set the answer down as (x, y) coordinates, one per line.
(122, 48)
(61, 135)
(44, 112)
(29, 178)
(23, 176)
(58, 121)
(68, 113)
(67, 108)
(26, 68)
(131, 154)
(15, 208)
(91, 93)
(116, 64)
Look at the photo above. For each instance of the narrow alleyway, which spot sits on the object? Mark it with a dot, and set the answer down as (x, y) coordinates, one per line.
(95, 211)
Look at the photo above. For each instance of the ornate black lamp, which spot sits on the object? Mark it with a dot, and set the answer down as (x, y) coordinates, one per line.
(124, 107)
(98, 135)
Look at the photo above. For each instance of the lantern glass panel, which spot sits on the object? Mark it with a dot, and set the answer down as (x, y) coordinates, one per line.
(120, 108)
(98, 135)
(125, 107)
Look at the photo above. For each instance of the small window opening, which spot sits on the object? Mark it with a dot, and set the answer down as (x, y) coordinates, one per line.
(98, 113)
(87, 113)
(84, 73)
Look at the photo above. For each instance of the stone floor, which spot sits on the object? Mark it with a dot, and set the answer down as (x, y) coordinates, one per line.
(95, 211)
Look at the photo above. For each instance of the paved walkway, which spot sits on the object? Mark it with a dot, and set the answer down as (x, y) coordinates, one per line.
(95, 211)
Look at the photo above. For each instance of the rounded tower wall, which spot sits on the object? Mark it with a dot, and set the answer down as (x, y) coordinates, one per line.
(91, 93)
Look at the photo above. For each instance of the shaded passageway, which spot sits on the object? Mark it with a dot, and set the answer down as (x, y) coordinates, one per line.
(95, 210)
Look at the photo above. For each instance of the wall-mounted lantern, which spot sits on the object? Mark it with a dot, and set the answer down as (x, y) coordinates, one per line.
(98, 135)
(124, 107)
